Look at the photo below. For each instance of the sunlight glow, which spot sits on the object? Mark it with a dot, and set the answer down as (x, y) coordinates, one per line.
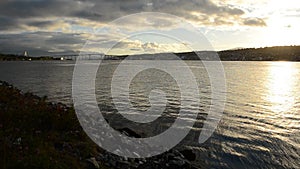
(287, 4)
(282, 23)
(280, 84)
(281, 31)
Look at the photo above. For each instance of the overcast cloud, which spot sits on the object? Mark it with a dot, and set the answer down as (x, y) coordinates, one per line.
(61, 26)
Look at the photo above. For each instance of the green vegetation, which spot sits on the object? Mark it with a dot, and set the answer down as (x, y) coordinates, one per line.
(38, 134)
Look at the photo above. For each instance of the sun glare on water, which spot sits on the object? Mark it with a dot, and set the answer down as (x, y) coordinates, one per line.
(280, 84)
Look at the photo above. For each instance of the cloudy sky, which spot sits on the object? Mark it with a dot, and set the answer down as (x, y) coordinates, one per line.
(49, 27)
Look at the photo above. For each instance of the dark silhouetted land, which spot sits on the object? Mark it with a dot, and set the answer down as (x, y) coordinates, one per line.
(277, 53)
(37, 134)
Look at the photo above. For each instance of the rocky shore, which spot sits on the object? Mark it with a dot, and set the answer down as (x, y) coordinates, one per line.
(35, 133)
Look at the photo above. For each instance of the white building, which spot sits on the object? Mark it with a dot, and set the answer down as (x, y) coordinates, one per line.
(25, 53)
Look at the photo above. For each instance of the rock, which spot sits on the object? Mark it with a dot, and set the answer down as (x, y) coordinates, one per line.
(18, 141)
(58, 146)
(188, 154)
(93, 163)
(177, 163)
(171, 159)
(129, 132)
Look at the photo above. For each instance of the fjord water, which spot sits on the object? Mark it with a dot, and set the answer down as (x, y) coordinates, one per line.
(260, 127)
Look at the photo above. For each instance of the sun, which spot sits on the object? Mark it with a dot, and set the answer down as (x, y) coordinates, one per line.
(282, 24)
(280, 32)
(287, 4)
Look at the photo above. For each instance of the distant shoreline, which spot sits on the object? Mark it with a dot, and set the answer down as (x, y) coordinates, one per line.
(280, 53)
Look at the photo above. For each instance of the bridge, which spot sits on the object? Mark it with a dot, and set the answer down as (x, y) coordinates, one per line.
(82, 57)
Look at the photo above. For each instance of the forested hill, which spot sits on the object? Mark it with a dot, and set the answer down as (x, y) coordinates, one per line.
(280, 53)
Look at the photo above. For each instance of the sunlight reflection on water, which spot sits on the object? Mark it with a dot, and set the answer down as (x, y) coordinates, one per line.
(280, 83)
(260, 127)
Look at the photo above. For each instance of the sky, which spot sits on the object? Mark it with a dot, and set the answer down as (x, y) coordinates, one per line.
(51, 27)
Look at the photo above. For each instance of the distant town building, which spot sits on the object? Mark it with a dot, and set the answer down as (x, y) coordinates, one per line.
(25, 53)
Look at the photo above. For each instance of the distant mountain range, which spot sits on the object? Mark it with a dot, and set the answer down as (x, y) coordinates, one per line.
(277, 53)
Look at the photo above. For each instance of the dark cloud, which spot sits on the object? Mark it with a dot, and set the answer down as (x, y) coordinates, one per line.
(40, 8)
(66, 39)
(40, 43)
(107, 10)
(254, 22)
(40, 24)
(45, 16)
(9, 23)
(202, 6)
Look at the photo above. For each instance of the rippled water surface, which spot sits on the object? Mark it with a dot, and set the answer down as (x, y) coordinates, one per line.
(260, 127)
